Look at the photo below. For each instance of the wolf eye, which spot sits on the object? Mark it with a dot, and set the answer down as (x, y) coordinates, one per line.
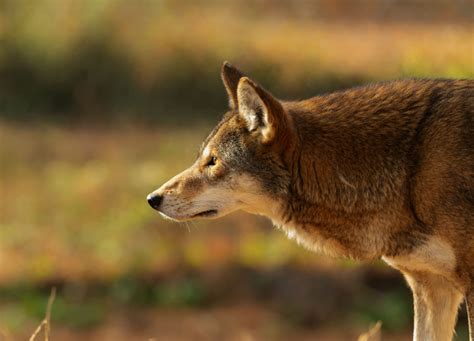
(211, 162)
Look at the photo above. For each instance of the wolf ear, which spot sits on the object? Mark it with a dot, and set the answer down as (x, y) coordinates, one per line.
(260, 110)
(230, 77)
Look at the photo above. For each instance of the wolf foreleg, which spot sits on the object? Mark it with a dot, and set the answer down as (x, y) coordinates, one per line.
(436, 302)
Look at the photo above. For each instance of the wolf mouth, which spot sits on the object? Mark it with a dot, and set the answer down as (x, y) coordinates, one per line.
(208, 213)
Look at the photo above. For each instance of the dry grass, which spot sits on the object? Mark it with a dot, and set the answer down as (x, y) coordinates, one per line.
(374, 334)
(46, 322)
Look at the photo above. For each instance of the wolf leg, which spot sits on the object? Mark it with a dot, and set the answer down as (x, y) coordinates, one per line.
(436, 303)
(470, 312)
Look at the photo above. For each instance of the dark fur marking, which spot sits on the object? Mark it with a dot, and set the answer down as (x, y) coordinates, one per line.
(416, 156)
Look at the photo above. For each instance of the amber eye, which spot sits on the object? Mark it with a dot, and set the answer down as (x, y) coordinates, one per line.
(211, 162)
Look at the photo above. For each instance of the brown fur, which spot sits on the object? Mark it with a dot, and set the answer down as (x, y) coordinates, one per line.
(385, 170)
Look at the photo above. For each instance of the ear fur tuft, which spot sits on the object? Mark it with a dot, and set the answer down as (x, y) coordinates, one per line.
(230, 77)
(254, 108)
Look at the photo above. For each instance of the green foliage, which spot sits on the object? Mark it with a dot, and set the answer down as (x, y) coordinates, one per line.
(392, 307)
(78, 314)
(30, 304)
(134, 291)
(181, 293)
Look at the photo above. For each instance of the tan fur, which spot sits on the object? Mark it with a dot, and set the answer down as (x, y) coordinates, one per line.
(434, 256)
(382, 171)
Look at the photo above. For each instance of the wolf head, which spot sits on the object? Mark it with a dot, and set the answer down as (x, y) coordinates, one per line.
(242, 164)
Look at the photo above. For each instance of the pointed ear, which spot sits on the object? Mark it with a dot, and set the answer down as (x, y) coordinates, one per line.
(230, 77)
(261, 110)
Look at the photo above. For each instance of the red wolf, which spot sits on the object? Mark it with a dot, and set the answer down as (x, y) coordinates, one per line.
(380, 171)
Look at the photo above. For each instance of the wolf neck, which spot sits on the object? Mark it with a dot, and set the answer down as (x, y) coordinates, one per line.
(341, 182)
(350, 169)
(345, 169)
(354, 145)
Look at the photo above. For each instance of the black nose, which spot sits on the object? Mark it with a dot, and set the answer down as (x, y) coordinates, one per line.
(154, 200)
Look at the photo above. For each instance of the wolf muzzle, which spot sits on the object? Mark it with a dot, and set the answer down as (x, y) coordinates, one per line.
(154, 200)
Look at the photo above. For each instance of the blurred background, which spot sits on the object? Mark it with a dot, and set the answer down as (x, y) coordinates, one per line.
(101, 101)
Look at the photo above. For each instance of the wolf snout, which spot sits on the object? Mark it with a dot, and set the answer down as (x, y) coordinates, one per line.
(154, 200)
